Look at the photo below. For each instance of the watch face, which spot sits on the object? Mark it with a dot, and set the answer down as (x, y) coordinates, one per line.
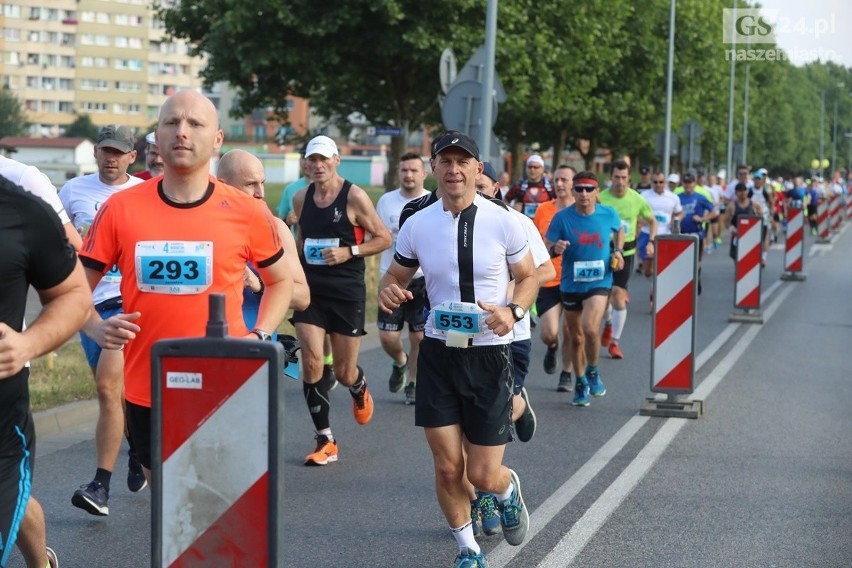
(518, 312)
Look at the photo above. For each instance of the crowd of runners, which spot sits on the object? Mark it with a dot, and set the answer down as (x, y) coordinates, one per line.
(554, 254)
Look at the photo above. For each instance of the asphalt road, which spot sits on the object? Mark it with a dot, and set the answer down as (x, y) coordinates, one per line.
(763, 479)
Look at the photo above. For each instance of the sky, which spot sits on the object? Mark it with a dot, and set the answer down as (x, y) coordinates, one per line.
(812, 29)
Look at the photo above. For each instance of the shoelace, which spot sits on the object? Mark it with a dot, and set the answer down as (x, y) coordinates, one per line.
(511, 512)
(487, 505)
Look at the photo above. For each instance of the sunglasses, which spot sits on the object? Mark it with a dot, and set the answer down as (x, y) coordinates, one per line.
(660, 181)
(584, 188)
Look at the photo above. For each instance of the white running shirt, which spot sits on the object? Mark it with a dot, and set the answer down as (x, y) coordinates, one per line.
(389, 207)
(34, 181)
(664, 205)
(464, 258)
(82, 197)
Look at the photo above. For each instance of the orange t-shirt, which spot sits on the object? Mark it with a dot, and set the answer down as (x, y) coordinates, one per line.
(543, 216)
(171, 257)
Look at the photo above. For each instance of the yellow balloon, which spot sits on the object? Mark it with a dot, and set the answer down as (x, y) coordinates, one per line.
(814, 164)
(824, 163)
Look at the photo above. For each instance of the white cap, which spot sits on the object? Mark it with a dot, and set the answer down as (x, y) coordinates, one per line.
(674, 178)
(150, 138)
(535, 159)
(322, 145)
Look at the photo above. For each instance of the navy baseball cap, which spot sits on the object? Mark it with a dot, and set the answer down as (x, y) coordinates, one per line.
(454, 139)
(489, 171)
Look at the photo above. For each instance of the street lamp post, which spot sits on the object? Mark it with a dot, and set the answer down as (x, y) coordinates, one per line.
(821, 133)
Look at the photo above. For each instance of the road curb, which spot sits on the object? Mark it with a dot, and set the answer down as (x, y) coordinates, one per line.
(72, 415)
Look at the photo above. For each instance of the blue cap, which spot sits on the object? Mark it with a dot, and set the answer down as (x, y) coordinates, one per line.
(488, 170)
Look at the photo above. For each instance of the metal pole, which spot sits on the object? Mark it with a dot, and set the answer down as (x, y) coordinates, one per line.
(745, 118)
(834, 140)
(667, 134)
(821, 133)
(729, 168)
(488, 82)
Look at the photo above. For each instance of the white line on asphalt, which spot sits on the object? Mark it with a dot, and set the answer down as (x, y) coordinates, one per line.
(564, 553)
(539, 519)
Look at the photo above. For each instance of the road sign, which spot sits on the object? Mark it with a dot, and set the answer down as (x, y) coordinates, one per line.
(692, 129)
(461, 109)
(690, 154)
(659, 143)
(387, 130)
(447, 70)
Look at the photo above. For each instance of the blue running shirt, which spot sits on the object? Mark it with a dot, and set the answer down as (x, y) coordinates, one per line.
(585, 262)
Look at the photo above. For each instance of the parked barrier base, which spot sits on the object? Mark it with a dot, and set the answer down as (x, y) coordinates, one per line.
(794, 276)
(746, 316)
(672, 408)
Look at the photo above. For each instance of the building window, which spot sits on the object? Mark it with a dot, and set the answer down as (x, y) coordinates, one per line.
(11, 10)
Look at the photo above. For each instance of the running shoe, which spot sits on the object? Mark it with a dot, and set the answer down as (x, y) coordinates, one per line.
(708, 250)
(136, 481)
(325, 453)
(596, 386)
(362, 405)
(525, 425)
(52, 559)
(475, 518)
(581, 393)
(487, 505)
(92, 498)
(514, 517)
(470, 559)
(606, 336)
(550, 360)
(615, 351)
(564, 382)
(410, 392)
(328, 379)
(717, 242)
(398, 378)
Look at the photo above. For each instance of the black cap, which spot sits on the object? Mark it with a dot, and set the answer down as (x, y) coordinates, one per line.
(644, 170)
(455, 139)
(688, 177)
(489, 172)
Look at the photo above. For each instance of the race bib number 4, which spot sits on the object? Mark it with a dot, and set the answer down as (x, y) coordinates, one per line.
(174, 267)
(530, 209)
(313, 250)
(113, 275)
(588, 271)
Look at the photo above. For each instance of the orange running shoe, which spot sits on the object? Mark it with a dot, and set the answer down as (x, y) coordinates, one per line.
(325, 453)
(615, 351)
(362, 405)
(606, 336)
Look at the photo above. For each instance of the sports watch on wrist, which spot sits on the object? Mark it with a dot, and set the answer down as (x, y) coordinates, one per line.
(262, 335)
(354, 250)
(517, 311)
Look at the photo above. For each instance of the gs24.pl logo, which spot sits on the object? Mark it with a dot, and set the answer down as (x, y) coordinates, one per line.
(764, 26)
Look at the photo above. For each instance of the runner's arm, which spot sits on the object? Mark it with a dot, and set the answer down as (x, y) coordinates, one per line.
(277, 294)
(392, 286)
(367, 218)
(301, 297)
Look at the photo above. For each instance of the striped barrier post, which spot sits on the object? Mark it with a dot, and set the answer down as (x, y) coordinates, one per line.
(794, 246)
(848, 206)
(748, 270)
(823, 228)
(673, 327)
(834, 212)
(217, 410)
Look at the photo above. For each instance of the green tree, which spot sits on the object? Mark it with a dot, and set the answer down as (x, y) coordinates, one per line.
(82, 127)
(378, 58)
(14, 122)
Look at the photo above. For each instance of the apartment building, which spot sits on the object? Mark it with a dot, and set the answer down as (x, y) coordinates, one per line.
(105, 58)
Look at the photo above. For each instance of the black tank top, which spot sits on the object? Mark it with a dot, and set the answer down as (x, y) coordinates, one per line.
(738, 211)
(343, 281)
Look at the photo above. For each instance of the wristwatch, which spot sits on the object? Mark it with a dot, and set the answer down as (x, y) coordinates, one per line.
(517, 311)
(262, 335)
(354, 250)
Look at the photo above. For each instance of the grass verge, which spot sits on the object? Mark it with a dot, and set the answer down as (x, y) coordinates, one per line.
(61, 377)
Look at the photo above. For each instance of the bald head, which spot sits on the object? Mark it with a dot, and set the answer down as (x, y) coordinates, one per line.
(244, 171)
(188, 133)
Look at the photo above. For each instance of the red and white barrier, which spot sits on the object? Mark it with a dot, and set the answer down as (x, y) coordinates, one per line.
(823, 227)
(673, 331)
(794, 246)
(834, 212)
(748, 269)
(849, 206)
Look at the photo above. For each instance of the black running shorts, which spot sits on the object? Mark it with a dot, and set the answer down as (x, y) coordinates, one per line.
(573, 302)
(471, 387)
(621, 277)
(139, 427)
(410, 311)
(17, 460)
(345, 317)
(547, 298)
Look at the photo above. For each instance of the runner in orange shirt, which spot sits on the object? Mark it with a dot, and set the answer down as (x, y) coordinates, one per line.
(549, 302)
(177, 239)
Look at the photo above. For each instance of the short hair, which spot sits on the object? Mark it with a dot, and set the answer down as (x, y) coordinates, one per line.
(585, 175)
(620, 165)
(743, 167)
(410, 156)
(567, 167)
